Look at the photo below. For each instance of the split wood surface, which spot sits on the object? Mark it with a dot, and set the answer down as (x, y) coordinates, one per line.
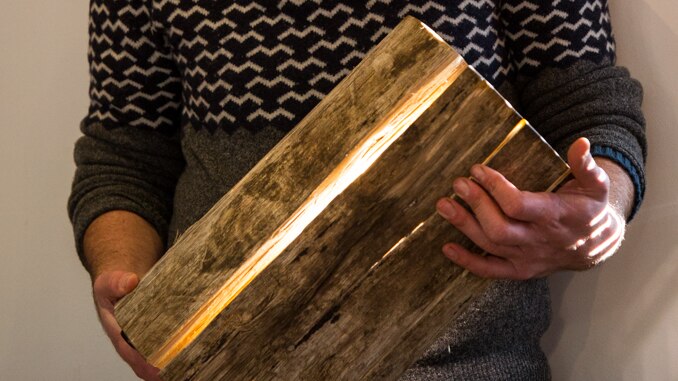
(324, 261)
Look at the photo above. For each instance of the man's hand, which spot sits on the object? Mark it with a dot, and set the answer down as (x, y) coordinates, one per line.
(529, 235)
(109, 287)
(120, 247)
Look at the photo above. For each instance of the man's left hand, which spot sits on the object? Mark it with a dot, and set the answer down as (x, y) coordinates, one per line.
(528, 235)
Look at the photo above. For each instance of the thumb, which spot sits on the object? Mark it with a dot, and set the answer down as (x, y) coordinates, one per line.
(585, 169)
(115, 284)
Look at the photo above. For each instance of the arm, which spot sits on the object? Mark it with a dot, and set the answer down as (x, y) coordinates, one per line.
(120, 247)
(128, 160)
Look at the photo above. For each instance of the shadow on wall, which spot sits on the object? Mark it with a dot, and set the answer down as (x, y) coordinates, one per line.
(601, 317)
(611, 322)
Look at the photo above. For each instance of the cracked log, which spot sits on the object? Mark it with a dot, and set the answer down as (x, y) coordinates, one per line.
(324, 261)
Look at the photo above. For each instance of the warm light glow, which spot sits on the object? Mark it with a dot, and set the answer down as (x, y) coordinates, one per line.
(599, 230)
(397, 244)
(599, 217)
(432, 32)
(354, 164)
(560, 179)
(610, 245)
(514, 131)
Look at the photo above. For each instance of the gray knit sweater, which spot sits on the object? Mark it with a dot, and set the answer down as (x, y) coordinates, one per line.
(187, 96)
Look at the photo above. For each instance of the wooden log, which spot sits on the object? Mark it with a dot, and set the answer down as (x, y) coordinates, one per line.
(325, 260)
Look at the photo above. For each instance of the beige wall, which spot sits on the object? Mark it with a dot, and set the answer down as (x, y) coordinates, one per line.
(48, 328)
(620, 321)
(614, 323)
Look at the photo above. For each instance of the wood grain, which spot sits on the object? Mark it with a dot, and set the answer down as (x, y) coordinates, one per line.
(363, 289)
(280, 183)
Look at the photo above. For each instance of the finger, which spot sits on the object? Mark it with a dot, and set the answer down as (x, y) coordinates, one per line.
(496, 225)
(516, 204)
(584, 168)
(488, 266)
(108, 288)
(458, 216)
(141, 368)
(126, 352)
(108, 321)
(130, 355)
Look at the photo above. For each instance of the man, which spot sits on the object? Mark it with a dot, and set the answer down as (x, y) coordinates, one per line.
(187, 96)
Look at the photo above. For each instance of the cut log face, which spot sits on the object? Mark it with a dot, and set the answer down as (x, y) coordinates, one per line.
(325, 260)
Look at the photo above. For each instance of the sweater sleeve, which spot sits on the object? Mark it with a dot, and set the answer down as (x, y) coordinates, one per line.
(129, 157)
(563, 54)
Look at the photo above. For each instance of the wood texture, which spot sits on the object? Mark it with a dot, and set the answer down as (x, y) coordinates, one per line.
(363, 289)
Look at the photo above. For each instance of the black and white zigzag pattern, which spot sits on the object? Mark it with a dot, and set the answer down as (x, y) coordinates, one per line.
(163, 63)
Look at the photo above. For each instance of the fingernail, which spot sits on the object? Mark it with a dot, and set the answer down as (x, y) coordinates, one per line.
(461, 187)
(446, 209)
(449, 251)
(478, 172)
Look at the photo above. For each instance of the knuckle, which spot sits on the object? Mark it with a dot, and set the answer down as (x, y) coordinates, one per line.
(462, 219)
(514, 208)
(492, 184)
(475, 203)
(101, 286)
(459, 222)
(498, 234)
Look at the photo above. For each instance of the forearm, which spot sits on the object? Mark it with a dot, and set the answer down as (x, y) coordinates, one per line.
(621, 194)
(599, 102)
(121, 240)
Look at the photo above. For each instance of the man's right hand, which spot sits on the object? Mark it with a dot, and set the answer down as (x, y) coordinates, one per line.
(109, 287)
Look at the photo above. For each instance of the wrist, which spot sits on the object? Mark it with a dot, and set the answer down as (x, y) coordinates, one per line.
(621, 194)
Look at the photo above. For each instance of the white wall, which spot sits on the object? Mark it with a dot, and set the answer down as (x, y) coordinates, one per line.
(620, 321)
(613, 323)
(48, 327)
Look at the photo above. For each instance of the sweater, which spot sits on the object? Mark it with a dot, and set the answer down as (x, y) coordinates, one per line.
(187, 96)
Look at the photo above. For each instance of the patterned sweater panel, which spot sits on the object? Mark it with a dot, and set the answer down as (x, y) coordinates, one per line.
(228, 65)
(133, 78)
